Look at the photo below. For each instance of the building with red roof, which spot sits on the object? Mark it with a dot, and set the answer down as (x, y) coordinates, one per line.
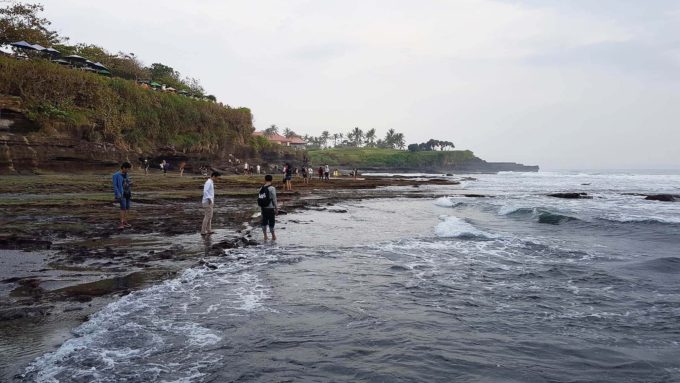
(294, 141)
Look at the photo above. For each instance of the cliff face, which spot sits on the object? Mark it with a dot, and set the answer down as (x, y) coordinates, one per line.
(477, 165)
(391, 160)
(55, 118)
(24, 150)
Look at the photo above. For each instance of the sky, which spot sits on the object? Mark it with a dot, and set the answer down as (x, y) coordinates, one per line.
(574, 84)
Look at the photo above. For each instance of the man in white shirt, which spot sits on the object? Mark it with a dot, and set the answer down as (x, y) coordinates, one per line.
(209, 203)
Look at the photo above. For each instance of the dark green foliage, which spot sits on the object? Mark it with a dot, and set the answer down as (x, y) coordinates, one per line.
(20, 21)
(69, 102)
(387, 158)
(431, 145)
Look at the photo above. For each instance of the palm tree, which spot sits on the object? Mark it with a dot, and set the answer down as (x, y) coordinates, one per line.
(399, 142)
(335, 139)
(272, 130)
(370, 138)
(288, 133)
(324, 137)
(358, 136)
(389, 138)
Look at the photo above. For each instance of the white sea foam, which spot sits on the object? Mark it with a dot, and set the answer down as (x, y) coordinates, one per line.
(444, 202)
(164, 318)
(458, 228)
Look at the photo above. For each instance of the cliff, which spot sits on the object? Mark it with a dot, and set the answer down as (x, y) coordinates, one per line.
(391, 160)
(56, 118)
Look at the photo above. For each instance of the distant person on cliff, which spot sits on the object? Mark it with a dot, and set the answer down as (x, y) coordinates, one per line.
(122, 192)
(289, 177)
(208, 203)
(305, 175)
(327, 173)
(181, 168)
(164, 167)
(320, 173)
(266, 199)
(258, 168)
(145, 163)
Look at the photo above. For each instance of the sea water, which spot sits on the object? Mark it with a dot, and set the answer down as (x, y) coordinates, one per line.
(513, 287)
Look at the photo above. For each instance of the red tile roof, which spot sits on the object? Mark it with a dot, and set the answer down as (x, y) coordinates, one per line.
(295, 140)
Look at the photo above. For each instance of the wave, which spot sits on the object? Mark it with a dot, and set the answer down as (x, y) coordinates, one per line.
(447, 202)
(642, 220)
(458, 228)
(667, 265)
(120, 340)
(539, 214)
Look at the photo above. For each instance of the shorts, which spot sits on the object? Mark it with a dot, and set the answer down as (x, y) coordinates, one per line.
(288, 178)
(268, 217)
(125, 203)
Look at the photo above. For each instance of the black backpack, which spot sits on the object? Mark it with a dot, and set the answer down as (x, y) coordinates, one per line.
(263, 199)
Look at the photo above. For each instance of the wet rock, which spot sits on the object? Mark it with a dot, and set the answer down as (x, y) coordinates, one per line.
(14, 242)
(663, 197)
(21, 312)
(337, 210)
(475, 195)
(580, 195)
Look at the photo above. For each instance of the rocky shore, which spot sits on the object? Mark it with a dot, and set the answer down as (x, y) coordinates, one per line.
(62, 257)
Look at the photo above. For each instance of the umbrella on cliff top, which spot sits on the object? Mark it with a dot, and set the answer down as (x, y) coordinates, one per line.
(98, 65)
(38, 47)
(51, 51)
(61, 62)
(24, 45)
(75, 58)
(155, 84)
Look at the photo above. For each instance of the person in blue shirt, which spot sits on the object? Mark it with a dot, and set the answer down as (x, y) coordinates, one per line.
(122, 191)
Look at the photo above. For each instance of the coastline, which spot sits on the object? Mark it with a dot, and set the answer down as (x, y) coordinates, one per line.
(64, 258)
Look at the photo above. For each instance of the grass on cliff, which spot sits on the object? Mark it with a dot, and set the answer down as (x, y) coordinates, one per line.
(66, 102)
(388, 158)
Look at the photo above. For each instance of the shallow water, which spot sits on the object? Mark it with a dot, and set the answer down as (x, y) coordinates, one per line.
(515, 288)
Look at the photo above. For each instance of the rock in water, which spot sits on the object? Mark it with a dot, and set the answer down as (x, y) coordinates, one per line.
(571, 195)
(663, 197)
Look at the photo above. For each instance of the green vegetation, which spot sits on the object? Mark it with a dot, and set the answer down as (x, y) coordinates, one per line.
(73, 103)
(392, 158)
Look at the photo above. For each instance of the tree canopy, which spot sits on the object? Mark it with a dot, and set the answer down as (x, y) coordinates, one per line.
(20, 21)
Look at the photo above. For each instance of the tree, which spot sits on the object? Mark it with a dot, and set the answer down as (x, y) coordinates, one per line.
(272, 130)
(370, 138)
(413, 148)
(389, 139)
(335, 139)
(399, 142)
(324, 138)
(288, 133)
(358, 136)
(20, 21)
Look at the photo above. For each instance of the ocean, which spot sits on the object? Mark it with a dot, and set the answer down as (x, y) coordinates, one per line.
(514, 286)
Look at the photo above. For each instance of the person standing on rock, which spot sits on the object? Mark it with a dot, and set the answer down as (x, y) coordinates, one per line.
(122, 191)
(327, 173)
(266, 199)
(287, 177)
(208, 203)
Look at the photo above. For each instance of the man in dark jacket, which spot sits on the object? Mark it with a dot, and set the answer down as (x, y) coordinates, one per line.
(122, 192)
(270, 210)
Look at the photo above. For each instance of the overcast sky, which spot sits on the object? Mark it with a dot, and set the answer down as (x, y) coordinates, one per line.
(561, 84)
